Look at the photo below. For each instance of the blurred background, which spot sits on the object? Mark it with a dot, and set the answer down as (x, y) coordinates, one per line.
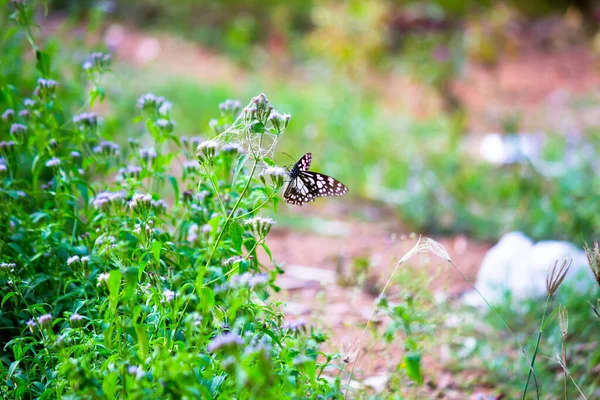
(474, 117)
(464, 120)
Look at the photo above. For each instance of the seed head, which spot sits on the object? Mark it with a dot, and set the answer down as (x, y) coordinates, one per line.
(593, 256)
(563, 320)
(349, 351)
(556, 276)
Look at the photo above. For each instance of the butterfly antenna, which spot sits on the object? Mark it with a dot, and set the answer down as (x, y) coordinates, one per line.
(293, 159)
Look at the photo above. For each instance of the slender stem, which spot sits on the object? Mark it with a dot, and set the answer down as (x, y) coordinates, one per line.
(215, 188)
(564, 351)
(220, 235)
(537, 344)
(369, 323)
(229, 218)
(232, 270)
(258, 207)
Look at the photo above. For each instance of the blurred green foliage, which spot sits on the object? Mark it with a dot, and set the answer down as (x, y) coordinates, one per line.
(421, 166)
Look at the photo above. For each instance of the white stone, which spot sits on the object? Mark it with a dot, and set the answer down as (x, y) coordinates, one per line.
(517, 265)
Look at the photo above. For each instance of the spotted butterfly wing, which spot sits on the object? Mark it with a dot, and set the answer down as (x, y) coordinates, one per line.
(305, 186)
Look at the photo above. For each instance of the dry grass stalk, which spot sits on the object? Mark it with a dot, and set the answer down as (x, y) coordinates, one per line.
(556, 276)
(593, 256)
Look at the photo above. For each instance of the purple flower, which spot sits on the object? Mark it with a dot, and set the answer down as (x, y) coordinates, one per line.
(247, 280)
(103, 278)
(105, 199)
(230, 107)
(140, 201)
(165, 108)
(148, 154)
(261, 225)
(72, 260)
(45, 320)
(149, 102)
(137, 371)
(53, 162)
(158, 205)
(32, 325)
(16, 129)
(9, 266)
(190, 166)
(169, 295)
(225, 341)
(75, 154)
(76, 320)
(7, 147)
(45, 88)
(8, 115)
(132, 171)
(29, 103)
(86, 120)
(232, 148)
(98, 61)
(294, 325)
(107, 148)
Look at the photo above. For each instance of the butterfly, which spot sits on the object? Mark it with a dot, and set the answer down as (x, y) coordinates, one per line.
(305, 186)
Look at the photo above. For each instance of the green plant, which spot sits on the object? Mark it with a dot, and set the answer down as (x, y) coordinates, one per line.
(133, 271)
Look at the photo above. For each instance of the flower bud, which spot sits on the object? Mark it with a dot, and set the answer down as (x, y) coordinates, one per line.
(206, 151)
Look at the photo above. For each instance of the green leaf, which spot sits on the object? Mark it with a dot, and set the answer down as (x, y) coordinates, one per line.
(142, 337)
(240, 165)
(114, 285)
(258, 127)
(18, 351)
(214, 223)
(268, 161)
(8, 296)
(274, 337)
(216, 382)
(109, 385)
(11, 369)
(43, 62)
(175, 185)
(236, 232)
(268, 251)
(156, 248)
(412, 365)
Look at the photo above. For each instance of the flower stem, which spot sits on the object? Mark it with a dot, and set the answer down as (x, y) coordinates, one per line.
(537, 344)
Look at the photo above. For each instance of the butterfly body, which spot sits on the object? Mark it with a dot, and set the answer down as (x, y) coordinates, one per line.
(305, 186)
